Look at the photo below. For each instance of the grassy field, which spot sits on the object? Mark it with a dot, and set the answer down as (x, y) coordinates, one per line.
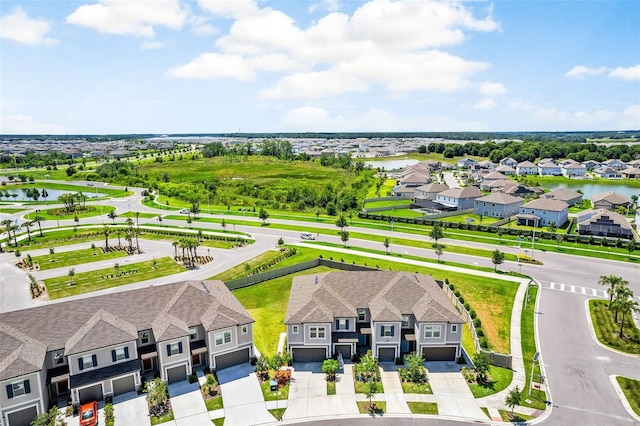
(107, 190)
(239, 271)
(385, 189)
(141, 215)
(400, 213)
(423, 408)
(10, 210)
(607, 329)
(388, 203)
(631, 389)
(54, 214)
(75, 257)
(500, 379)
(475, 219)
(106, 278)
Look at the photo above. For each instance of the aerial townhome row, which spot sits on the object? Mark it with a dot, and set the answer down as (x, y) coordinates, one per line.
(96, 347)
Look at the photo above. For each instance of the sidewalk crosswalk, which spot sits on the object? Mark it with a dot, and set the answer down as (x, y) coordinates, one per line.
(587, 291)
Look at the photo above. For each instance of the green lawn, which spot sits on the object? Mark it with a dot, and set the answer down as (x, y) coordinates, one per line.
(107, 190)
(162, 419)
(467, 341)
(381, 406)
(75, 257)
(218, 422)
(362, 387)
(529, 349)
(517, 417)
(239, 271)
(214, 403)
(10, 210)
(631, 389)
(141, 215)
(388, 203)
(607, 329)
(471, 218)
(500, 379)
(106, 278)
(57, 214)
(423, 408)
(282, 394)
(331, 388)
(423, 388)
(400, 213)
(386, 187)
(277, 412)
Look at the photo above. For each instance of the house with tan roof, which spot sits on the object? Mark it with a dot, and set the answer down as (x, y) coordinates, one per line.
(459, 198)
(604, 223)
(389, 313)
(526, 168)
(610, 200)
(569, 196)
(91, 348)
(572, 169)
(543, 212)
(497, 204)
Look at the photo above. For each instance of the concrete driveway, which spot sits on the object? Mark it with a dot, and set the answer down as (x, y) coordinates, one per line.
(131, 409)
(243, 400)
(187, 404)
(451, 391)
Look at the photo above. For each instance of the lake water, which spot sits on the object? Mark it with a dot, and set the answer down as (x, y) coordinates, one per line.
(590, 189)
(53, 194)
(391, 164)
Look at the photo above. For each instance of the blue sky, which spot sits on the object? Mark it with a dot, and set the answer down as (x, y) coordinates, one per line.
(209, 66)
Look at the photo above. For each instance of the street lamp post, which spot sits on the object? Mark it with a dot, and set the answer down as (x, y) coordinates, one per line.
(533, 364)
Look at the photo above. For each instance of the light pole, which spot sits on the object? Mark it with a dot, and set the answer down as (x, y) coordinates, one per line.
(391, 222)
(533, 364)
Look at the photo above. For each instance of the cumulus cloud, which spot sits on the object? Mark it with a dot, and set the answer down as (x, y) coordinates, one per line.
(328, 5)
(21, 124)
(486, 104)
(552, 118)
(580, 71)
(214, 65)
(123, 17)
(17, 26)
(397, 45)
(151, 45)
(492, 89)
(628, 73)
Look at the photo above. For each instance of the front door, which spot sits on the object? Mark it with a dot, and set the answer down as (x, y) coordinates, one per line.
(147, 364)
(195, 359)
(63, 387)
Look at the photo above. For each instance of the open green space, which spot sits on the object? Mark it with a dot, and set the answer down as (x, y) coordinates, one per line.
(111, 191)
(388, 203)
(608, 329)
(281, 394)
(499, 379)
(631, 390)
(86, 282)
(527, 336)
(75, 257)
(141, 215)
(401, 213)
(10, 210)
(239, 271)
(58, 213)
(423, 408)
(475, 219)
(385, 189)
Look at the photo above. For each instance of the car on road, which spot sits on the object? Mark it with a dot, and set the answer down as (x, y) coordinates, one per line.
(89, 414)
(307, 236)
(184, 211)
(90, 184)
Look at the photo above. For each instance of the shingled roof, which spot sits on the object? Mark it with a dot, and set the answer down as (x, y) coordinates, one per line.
(388, 295)
(94, 322)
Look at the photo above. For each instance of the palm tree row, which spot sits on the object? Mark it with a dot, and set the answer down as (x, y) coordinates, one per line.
(621, 299)
(188, 244)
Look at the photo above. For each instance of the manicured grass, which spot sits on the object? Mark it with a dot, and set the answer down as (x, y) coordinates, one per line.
(381, 406)
(388, 203)
(608, 330)
(527, 335)
(400, 213)
(162, 419)
(218, 422)
(423, 408)
(75, 257)
(631, 389)
(106, 278)
(10, 211)
(362, 387)
(331, 388)
(386, 187)
(267, 304)
(517, 417)
(240, 270)
(214, 403)
(141, 215)
(281, 394)
(52, 214)
(476, 219)
(277, 412)
(107, 190)
(467, 340)
(500, 379)
(423, 388)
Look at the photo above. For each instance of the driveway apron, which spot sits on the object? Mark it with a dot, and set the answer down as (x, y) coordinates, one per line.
(243, 400)
(187, 404)
(454, 397)
(131, 409)
(396, 403)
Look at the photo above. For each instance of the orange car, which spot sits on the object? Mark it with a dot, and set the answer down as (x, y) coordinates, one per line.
(89, 414)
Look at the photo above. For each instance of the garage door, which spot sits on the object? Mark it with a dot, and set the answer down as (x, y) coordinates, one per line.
(23, 417)
(92, 393)
(308, 354)
(386, 354)
(439, 354)
(124, 385)
(177, 374)
(345, 350)
(234, 358)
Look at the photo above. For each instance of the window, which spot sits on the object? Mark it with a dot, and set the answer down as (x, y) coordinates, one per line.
(387, 331)
(361, 314)
(174, 349)
(317, 332)
(18, 389)
(58, 357)
(342, 324)
(144, 337)
(405, 320)
(432, 332)
(294, 329)
(87, 361)
(454, 328)
(193, 333)
(244, 329)
(120, 354)
(223, 337)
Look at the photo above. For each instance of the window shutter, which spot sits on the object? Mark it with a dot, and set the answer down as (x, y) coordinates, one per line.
(168, 350)
(27, 387)
(94, 358)
(9, 391)
(80, 364)
(347, 324)
(180, 347)
(392, 330)
(126, 352)
(113, 355)
(337, 324)
(382, 331)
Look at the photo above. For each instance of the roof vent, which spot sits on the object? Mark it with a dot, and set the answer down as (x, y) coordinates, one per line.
(204, 286)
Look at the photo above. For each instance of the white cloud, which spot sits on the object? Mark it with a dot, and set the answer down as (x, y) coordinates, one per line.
(17, 26)
(123, 17)
(151, 45)
(551, 118)
(492, 89)
(580, 71)
(328, 5)
(628, 73)
(214, 65)
(486, 104)
(21, 124)
(397, 45)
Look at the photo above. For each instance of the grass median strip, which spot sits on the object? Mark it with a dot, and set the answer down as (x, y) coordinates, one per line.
(86, 282)
(75, 257)
(423, 408)
(631, 389)
(608, 329)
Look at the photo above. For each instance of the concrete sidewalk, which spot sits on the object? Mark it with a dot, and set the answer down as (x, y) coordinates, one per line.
(242, 396)
(187, 404)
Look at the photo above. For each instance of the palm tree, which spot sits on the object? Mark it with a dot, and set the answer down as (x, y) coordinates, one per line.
(175, 248)
(27, 225)
(626, 306)
(8, 226)
(138, 220)
(44, 194)
(106, 231)
(112, 215)
(622, 294)
(39, 220)
(119, 234)
(611, 281)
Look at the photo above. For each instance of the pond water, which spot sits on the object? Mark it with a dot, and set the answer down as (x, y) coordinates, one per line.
(590, 189)
(53, 194)
(391, 164)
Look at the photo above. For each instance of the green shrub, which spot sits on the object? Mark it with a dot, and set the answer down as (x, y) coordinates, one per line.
(477, 323)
